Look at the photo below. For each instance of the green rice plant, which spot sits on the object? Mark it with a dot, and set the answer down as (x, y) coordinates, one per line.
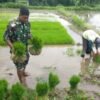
(51, 32)
(19, 49)
(31, 94)
(96, 59)
(70, 51)
(18, 52)
(42, 89)
(78, 96)
(17, 92)
(74, 80)
(36, 43)
(3, 89)
(36, 46)
(53, 80)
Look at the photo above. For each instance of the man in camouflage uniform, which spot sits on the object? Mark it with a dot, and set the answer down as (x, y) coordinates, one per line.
(19, 30)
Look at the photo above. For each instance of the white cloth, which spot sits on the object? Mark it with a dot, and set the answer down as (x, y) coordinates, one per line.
(90, 35)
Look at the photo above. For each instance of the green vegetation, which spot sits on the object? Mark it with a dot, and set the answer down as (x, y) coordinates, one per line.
(70, 51)
(74, 80)
(51, 33)
(97, 59)
(3, 89)
(79, 95)
(19, 49)
(18, 52)
(48, 32)
(79, 23)
(36, 46)
(53, 2)
(74, 92)
(17, 92)
(53, 81)
(42, 90)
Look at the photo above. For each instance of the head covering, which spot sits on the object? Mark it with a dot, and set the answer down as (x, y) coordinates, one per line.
(24, 11)
(97, 42)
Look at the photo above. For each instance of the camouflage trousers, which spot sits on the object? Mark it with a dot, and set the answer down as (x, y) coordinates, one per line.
(22, 65)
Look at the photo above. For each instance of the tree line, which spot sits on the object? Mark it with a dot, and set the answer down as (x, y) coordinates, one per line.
(56, 2)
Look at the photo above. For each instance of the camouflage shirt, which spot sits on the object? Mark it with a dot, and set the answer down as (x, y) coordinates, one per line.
(17, 31)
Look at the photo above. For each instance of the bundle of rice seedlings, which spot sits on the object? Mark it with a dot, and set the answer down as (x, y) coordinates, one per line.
(18, 52)
(36, 46)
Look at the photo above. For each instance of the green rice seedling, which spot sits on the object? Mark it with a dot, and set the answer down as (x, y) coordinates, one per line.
(3, 89)
(53, 80)
(19, 49)
(42, 90)
(70, 51)
(36, 46)
(17, 92)
(18, 52)
(74, 80)
(96, 59)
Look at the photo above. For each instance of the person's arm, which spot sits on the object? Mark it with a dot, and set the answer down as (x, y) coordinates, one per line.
(6, 36)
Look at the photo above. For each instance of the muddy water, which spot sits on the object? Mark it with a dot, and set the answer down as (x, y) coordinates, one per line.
(52, 58)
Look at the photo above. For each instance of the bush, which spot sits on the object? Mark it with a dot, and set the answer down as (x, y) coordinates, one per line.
(3, 89)
(53, 80)
(74, 80)
(42, 88)
(17, 91)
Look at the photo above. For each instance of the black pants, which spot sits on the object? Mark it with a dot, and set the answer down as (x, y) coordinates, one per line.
(87, 46)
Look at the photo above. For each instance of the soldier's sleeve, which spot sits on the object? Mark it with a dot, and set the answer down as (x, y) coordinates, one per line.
(7, 32)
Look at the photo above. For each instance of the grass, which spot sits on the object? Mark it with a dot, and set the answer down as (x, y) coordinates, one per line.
(49, 32)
